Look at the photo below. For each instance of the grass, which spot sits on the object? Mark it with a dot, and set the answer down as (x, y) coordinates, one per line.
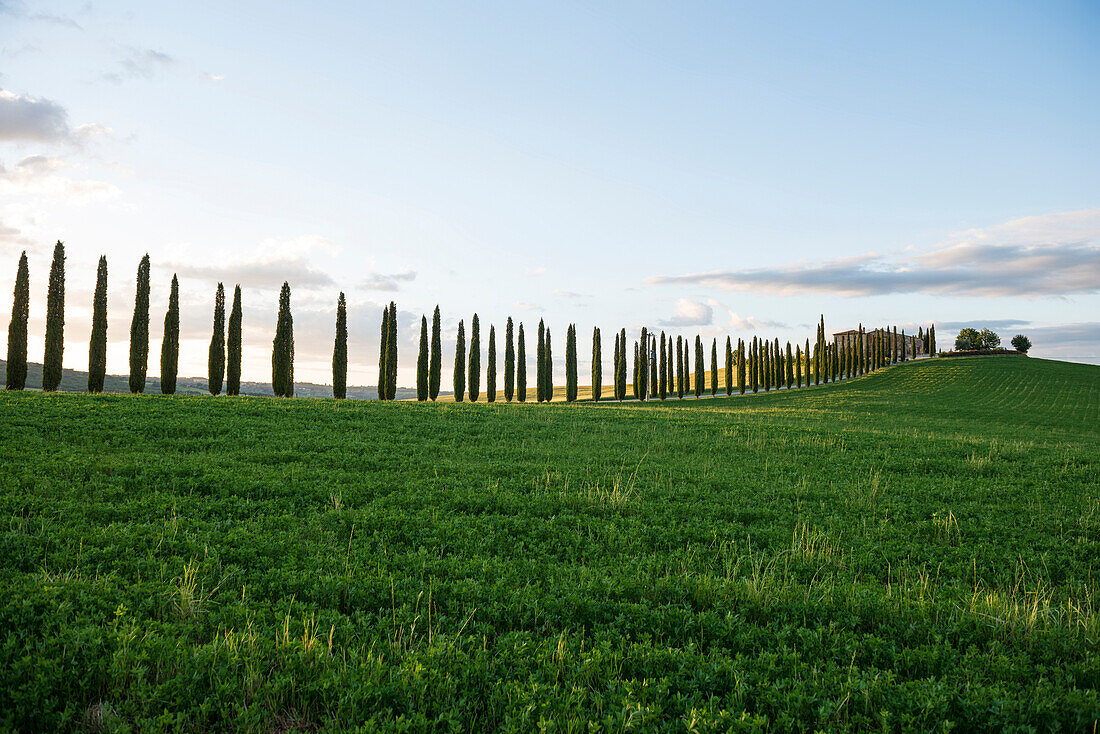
(912, 550)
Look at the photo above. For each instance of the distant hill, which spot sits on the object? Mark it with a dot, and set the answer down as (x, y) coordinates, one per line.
(75, 381)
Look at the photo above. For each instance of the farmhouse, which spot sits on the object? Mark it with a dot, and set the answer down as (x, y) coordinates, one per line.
(912, 345)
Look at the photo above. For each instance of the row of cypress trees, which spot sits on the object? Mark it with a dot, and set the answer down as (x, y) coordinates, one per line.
(16, 377)
(660, 368)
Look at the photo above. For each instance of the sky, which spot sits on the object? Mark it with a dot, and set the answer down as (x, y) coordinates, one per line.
(698, 168)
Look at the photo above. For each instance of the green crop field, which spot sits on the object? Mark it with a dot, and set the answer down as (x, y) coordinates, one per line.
(913, 550)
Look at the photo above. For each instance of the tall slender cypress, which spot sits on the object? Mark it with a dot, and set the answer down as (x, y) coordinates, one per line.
(621, 368)
(789, 362)
(766, 363)
(662, 368)
(643, 365)
(754, 372)
(16, 378)
(474, 376)
(540, 364)
(422, 360)
(55, 321)
(637, 366)
(216, 360)
(741, 366)
(460, 364)
(139, 329)
(97, 345)
(233, 346)
(383, 357)
(597, 365)
(509, 362)
(713, 367)
(391, 355)
(435, 365)
(651, 358)
(700, 366)
(340, 351)
(549, 369)
(521, 367)
(571, 363)
(170, 345)
(932, 340)
(615, 382)
(680, 367)
(282, 348)
(797, 366)
(491, 366)
(729, 367)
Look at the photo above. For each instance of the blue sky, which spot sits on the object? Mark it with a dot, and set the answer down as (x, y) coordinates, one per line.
(708, 168)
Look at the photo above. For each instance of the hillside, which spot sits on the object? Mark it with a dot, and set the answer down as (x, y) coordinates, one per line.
(76, 381)
(913, 550)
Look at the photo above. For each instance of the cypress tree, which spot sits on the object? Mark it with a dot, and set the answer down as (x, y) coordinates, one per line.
(797, 366)
(700, 366)
(435, 365)
(540, 364)
(282, 348)
(97, 345)
(521, 367)
(651, 358)
(340, 351)
(391, 355)
(383, 358)
(902, 350)
(55, 321)
(754, 364)
(170, 346)
(139, 329)
(680, 367)
(932, 340)
(637, 387)
(233, 346)
(597, 365)
(216, 361)
(509, 362)
(618, 357)
(491, 367)
(713, 367)
(16, 378)
(790, 367)
(549, 369)
(729, 367)
(643, 365)
(622, 364)
(571, 363)
(741, 366)
(460, 364)
(474, 376)
(662, 378)
(422, 361)
(765, 358)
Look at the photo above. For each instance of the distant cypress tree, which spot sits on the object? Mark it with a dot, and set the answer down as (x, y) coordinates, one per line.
(729, 367)
(391, 355)
(233, 346)
(637, 365)
(618, 358)
(741, 366)
(651, 359)
(662, 370)
(621, 368)
(509, 362)
(932, 340)
(16, 378)
(540, 364)
(643, 365)
(282, 348)
(474, 377)
(55, 321)
(383, 357)
(597, 365)
(422, 361)
(754, 364)
(435, 365)
(521, 367)
(340, 350)
(491, 367)
(700, 366)
(571, 363)
(790, 367)
(680, 367)
(765, 359)
(97, 345)
(216, 361)
(713, 367)
(139, 329)
(549, 391)
(170, 345)
(460, 364)
(797, 366)
(901, 351)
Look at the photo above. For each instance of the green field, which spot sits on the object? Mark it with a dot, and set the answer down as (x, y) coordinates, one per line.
(913, 550)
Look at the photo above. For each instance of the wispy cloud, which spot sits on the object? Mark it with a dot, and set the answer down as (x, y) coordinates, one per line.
(38, 175)
(139, 63)
(689, 313)
(214, 78)
(387, 282)
(1051, 255)
(288, 259)
(32, 118)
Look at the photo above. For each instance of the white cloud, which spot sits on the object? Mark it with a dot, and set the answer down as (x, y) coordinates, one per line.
(390, 282)
(1051, 255)
(32, 118)
(690, 313)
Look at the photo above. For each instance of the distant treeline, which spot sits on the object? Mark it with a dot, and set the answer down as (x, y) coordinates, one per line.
(661, 367)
